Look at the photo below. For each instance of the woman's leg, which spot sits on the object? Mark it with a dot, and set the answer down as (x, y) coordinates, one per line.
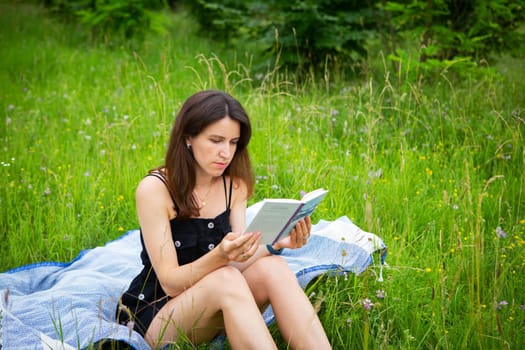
(271, 280)
(221, 300)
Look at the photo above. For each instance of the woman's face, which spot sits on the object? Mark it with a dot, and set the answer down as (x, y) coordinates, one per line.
(214, 148)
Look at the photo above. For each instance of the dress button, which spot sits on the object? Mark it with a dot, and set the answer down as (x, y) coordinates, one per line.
(211, 246)
(177, 244)
(141, 296)
(211, 225)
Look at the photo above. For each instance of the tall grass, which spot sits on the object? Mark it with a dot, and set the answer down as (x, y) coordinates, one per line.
(434, 167)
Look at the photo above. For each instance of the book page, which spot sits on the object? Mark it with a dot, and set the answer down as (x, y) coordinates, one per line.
(271, 219)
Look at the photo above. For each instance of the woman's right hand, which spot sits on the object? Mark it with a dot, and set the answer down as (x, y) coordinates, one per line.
(240, 247)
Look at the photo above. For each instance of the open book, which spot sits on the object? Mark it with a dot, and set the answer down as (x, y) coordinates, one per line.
(277, 217)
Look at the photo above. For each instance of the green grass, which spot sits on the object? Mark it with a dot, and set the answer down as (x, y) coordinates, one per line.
(432, 166)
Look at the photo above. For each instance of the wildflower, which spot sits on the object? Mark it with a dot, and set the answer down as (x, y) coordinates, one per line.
(501, 304)
(428, 269)
(302, 193)
(522, 221)
(87, 173)
(121, 229)
(47, 192)
(500, 233)
(522, 307)
(380, 293)
(375, 174)
(367, 304)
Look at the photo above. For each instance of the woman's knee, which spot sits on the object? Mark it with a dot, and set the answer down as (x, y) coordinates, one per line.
(227, 281)
(272, 268)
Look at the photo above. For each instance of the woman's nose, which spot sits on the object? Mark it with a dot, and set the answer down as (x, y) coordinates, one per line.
(225, 151)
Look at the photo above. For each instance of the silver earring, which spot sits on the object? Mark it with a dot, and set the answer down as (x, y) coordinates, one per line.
(188, 145)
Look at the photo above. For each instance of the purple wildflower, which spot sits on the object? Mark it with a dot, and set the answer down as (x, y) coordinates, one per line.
(380, 293)
(500, 233)
(367, 304)
(501, 304)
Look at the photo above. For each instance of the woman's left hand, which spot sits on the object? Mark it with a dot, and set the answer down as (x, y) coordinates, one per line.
(298, 237)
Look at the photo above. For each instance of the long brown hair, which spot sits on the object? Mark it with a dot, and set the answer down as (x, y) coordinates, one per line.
(198, 111)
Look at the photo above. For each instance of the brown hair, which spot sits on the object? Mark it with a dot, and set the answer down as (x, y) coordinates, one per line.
(199, 111)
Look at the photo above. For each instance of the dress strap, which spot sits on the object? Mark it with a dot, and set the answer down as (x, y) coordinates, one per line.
(159, 176)
(226, 194)
(162, 178)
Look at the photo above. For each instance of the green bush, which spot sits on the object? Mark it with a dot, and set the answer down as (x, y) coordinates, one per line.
(449, 29)
(112, 19)
(304, 34)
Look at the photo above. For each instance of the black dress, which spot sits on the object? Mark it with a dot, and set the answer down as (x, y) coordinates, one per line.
(192, 238)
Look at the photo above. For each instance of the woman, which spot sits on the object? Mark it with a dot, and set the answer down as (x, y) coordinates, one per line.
(201, 275)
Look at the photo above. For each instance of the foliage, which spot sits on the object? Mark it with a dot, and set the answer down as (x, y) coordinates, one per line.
(220, 20)
(449, 29)
(303, 34)
(113, 19)
(319, 33)
(323, 35)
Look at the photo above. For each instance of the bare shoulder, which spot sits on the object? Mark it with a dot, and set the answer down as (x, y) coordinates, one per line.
(152, 191)
(240, 193)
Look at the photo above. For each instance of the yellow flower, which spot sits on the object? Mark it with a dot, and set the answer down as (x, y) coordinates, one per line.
(428, 269)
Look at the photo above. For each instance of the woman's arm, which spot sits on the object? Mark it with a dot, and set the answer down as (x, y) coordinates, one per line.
(154, 209)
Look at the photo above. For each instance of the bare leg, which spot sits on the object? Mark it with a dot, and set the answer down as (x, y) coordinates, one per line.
(221, 300)
(271, 280)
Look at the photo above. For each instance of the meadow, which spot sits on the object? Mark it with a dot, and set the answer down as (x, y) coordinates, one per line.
(433, 165)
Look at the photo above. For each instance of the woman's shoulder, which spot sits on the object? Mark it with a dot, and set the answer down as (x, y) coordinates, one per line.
(151, 186)
(239, 188)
